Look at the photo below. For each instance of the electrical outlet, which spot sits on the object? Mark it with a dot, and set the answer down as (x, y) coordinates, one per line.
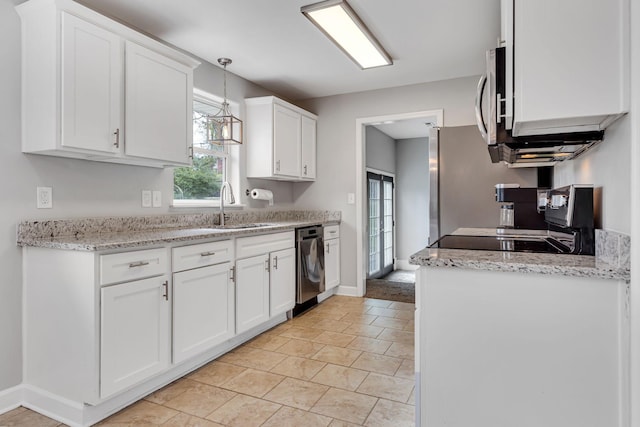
(351, 198)
(44, 197)
(146, 198)
(157, 199)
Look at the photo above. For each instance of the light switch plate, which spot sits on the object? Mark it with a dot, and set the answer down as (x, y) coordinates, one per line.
(146, 198)
(157, 199)
(44, 197)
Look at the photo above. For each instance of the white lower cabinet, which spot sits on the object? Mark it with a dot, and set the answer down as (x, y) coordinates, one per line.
(252, 292)
(282, 280)
(331, 256)
(203, 310)
(135, 333)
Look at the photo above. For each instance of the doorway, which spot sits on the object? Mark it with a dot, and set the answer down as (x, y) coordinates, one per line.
(380, 225)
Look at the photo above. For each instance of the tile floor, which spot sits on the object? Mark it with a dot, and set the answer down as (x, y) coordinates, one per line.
(347, 362)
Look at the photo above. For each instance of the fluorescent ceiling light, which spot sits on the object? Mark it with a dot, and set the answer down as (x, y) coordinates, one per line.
(339, 22)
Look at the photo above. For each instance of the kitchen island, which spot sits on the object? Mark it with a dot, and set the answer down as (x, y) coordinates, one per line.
(520, 339)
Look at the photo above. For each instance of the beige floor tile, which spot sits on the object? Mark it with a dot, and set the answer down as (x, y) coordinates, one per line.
(186, 420)
(391, 414)
(277, 330)
(340, 423)
(371, 345)
(334, 338)
(335, 314)
(268, 342)
(412, 398)
(12, 413)
(244, 411)
(328, 324)
(300, 348)
(301, 333)
(340, 377)
(379, 363)
(253, 382)
(372, 302)
(26, 418)
(337, 355)
(200, 400)
(403, 306)
(402, 350)
(342, 299)
(291, 417)
(296, 393)
(405, 314)
(298, 367)
(255, 358)
(388, 322)
(216, 373)
(387, 387)
(364, 330)
(384, 312)
(345, 405)
(397, 335)
(410, 327)
(356, 309)
(171, 391)
(407, 370)
(359, 318)
(140, 413)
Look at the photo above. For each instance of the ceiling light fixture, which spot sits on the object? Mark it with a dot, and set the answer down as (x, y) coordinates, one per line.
(224, 127)
(339, 22)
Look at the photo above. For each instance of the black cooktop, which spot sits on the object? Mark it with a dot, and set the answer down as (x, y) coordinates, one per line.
(500, 243)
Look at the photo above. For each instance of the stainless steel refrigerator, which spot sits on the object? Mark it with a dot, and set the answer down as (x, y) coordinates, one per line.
(462, 181)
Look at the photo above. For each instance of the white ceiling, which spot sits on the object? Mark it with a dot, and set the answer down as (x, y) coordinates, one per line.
(406, 129)
(272, 44)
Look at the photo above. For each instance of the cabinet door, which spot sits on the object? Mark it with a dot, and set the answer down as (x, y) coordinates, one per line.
(282, 282)
(308, 148)
(252, 292)
(158, 106)
(135, 333)
(332, 263)
(203, 310)
(91, 87)
(286, 142)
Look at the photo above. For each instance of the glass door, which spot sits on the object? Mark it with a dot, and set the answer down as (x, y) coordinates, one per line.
(381, 224)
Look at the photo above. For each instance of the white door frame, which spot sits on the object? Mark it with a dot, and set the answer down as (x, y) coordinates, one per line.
(361, 182)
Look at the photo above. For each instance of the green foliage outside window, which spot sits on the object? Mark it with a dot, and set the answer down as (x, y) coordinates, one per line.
(202, 181)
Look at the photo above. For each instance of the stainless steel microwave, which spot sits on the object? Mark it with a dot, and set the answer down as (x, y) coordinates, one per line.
(521, 151)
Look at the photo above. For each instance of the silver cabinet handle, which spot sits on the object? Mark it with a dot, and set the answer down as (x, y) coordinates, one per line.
(328, 249)
(266, 264)
(117, 141)
(190, 155)
(275, 262)
(305, 169)
(233, 274)
(165, 295)
(207, 253)
(138, 264)
(278, 166)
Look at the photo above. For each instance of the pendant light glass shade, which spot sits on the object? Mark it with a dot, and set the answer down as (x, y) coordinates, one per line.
(223, 127)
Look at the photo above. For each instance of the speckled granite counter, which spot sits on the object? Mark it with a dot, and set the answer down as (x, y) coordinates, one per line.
(96, 234)
(524, 262)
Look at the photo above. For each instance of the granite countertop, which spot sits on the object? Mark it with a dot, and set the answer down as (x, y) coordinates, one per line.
(523, 262)
(97, 234)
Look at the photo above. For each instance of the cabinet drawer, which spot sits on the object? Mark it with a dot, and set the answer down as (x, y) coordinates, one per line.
(128, 266)
(192, 256)
(331, 232)
(263, 244)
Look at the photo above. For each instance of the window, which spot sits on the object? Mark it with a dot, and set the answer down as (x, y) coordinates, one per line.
(200, 184)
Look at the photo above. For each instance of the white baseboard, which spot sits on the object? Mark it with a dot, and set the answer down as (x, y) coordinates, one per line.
(403, 264)
(348, 291)
(11, 398)
(323, 296)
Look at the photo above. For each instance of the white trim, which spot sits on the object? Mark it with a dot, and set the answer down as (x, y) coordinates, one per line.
(361, 182)
(381, 172)
(347, 291)
(323, 296)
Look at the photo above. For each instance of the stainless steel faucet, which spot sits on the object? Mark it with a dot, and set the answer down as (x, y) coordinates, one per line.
(232, 200)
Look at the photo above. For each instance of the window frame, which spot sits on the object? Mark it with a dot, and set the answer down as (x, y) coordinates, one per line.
(230, 155)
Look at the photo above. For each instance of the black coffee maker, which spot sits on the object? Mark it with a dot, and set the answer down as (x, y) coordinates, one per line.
(525, 206)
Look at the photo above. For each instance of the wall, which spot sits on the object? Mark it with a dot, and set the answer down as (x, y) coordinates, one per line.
(381, 150)
(608, 167)
(80, 188)
(336, 144)
(412, 197)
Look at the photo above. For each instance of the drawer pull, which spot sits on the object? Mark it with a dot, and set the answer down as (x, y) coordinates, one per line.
(138, 264)
(275, 262)
(210, 253)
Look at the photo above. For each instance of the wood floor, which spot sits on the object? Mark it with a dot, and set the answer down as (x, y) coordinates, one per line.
(347, 362)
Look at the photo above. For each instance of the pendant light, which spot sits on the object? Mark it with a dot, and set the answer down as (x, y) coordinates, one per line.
(223, 127)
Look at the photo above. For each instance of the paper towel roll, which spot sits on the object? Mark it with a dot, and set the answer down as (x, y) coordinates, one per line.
(261, 194)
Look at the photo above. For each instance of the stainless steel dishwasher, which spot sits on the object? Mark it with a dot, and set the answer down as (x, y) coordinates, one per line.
(309, 267)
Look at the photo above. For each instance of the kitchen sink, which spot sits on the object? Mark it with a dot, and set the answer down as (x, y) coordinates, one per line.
(240, 226)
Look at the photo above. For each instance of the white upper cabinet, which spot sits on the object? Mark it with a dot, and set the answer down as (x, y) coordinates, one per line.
(570, 64)
(280, 140)
(82, 72)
